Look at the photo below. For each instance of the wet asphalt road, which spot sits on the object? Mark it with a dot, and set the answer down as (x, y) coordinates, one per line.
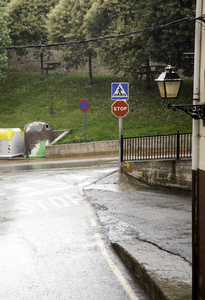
(160, 216)
(52, 245)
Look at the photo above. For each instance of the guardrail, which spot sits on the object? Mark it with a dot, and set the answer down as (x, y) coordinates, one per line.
(172, 146)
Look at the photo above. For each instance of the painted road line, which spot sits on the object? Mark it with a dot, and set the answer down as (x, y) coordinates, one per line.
(34, 192)
(115, 269)
(41, 205)
(85, 202)
(61, 202)
(89, 212)
(93, 222)
(82, 191)
(48, 204)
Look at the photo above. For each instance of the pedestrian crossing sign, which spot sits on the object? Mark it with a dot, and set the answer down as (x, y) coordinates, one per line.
(120, 91)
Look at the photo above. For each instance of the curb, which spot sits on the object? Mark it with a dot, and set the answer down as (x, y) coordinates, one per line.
(163, 276)
(16, 165)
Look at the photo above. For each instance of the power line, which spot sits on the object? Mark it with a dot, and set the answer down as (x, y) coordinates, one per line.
(149, 29)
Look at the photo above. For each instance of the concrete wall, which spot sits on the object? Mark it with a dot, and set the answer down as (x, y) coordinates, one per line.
(83, 149)
(169, 173)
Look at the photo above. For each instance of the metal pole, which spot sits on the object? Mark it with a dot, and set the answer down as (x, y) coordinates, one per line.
(178, 143)
(195, 160)
(84, 125)
(120, 146)
(196, 87)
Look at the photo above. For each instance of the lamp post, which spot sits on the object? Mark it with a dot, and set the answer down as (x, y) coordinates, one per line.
(169, 84)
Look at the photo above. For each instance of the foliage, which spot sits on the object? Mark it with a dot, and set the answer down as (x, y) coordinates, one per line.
(167, 45)
(4, 40)
(110, 17)
(25, 99)
(27, 23)
(65, 23)
(27, 20)
(31, 22)
(128, 54)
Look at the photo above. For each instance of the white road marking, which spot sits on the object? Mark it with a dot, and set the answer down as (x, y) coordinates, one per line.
(60, 202)
(82, 191)
(89, 212)
(93, 222)
(48, 204)
(34, 192)
(39, 202)
(115, 269)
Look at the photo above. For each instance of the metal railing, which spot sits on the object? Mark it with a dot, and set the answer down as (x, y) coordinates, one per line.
(172, 146)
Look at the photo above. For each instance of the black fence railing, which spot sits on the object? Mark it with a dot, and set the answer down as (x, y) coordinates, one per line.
(172, 146)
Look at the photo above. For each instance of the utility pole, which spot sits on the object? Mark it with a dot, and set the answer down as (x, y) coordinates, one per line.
(198, 163)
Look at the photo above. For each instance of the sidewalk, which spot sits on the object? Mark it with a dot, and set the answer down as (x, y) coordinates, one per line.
(150, 229)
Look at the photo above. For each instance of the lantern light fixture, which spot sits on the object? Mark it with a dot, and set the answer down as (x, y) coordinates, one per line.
(169, 84)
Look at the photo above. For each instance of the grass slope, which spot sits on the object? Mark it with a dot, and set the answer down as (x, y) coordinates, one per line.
(24, 98)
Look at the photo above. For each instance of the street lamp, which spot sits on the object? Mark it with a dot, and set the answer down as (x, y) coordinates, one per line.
(169, 84)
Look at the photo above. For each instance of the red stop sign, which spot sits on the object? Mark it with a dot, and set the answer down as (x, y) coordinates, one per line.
(120, 108)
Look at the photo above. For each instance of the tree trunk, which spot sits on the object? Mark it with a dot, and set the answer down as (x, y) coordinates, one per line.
(90, 70)
(148, 74)
(42, 73)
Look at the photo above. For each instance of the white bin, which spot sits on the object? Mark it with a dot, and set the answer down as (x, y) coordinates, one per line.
(11, 142)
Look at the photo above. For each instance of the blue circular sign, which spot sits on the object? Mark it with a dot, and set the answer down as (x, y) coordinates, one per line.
(84, 105)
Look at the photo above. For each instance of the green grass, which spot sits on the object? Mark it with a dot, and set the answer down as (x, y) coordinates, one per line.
(24, 98)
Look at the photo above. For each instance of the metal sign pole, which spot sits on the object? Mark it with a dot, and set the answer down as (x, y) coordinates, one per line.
(120, 93)
(120, 134)
(84, 125)
(84, 106)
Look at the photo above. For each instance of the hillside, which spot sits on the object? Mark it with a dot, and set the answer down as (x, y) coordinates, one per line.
(25, 98)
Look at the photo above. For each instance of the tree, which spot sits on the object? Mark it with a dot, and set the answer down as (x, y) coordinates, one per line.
(27, 20)
(168, 45)
(4, 40)
(66, 23)
(109, 17)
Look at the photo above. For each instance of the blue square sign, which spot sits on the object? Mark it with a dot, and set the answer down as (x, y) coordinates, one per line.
(120, 91)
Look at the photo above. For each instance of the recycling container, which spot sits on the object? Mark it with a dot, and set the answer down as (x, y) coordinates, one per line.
(11, 142)
(37, 135)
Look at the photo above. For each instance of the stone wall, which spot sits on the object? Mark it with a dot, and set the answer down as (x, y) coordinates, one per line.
(169, 173)
(31, 63)
(83, 149)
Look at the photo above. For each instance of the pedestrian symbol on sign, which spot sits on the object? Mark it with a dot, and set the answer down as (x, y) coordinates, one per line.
(120, 91)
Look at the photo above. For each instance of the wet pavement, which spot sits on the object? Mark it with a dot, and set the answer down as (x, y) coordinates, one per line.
(155, 213)
(52, 244)
(150, 228)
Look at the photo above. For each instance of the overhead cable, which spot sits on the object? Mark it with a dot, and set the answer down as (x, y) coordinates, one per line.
(149, 29)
